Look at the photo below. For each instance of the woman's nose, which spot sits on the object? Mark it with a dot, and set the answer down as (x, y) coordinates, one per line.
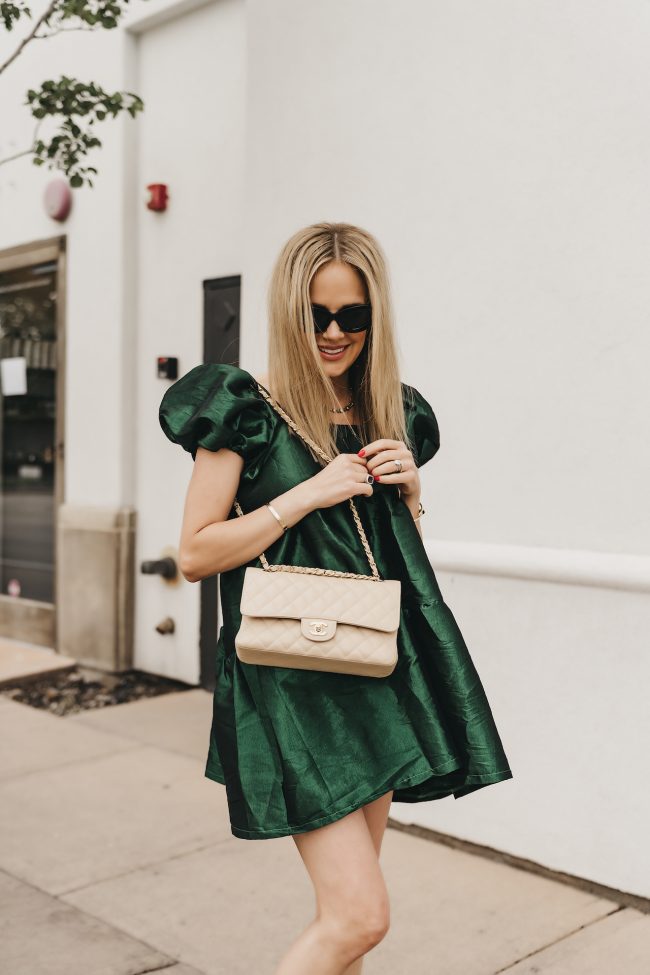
(333, 330)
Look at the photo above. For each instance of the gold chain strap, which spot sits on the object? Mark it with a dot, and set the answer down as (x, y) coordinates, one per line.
(362, 535)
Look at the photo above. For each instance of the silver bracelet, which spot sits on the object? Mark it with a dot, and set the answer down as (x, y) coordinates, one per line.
(277, 517)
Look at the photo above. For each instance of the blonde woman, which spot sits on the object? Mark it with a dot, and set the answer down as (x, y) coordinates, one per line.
(314, 755)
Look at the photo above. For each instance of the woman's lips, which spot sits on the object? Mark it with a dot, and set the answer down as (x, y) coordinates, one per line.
(336, 353)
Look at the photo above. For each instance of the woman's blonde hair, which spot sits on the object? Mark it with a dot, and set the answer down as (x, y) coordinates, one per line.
(296, 375)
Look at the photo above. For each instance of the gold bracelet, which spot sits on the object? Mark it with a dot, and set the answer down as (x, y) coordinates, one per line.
(421, 511)
(277, 517)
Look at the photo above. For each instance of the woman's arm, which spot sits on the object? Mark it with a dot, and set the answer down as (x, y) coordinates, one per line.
(412, 503)
(211, 542)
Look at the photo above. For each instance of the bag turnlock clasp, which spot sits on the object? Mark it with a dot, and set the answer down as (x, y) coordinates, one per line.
(316, 628)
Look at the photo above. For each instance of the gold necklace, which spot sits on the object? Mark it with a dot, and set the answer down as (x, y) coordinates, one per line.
(342, 409)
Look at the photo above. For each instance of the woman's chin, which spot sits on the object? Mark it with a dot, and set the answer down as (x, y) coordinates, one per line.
(337, 367)
(334, 369)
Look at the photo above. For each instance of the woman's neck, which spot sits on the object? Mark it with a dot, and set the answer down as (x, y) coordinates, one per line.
(341, 386)
(344, 394)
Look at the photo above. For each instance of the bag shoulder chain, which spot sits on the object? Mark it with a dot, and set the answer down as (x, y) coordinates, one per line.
(362, 535)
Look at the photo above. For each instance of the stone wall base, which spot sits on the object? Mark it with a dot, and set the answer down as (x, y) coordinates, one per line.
(96, 585)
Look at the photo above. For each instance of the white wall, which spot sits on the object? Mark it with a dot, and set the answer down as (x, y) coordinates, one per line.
(191, 75)
(96, 395)
(500, 153)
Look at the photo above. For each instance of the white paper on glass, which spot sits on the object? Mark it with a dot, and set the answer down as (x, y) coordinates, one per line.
(13, 375)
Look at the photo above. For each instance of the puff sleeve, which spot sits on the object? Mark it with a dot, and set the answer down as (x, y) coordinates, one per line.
(421, 425)
(217, 405)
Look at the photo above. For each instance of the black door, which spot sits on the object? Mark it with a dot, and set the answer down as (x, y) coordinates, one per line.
(221, 303)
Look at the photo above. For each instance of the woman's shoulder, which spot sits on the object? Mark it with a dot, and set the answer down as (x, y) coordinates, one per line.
(216, 405)
(413, 398)
(217, 375)
(421, 424)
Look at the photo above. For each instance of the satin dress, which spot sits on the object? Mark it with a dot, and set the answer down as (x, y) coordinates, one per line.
(297, 749)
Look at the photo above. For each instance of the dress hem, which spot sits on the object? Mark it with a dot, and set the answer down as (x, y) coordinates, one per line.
(472, 781)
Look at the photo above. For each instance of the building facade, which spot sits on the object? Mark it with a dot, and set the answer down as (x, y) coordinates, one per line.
(500, 155)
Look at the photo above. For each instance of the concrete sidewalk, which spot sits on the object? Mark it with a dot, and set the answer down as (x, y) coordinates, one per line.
(116, 858)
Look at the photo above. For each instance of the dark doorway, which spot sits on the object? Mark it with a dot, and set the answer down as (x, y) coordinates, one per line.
(221, 304)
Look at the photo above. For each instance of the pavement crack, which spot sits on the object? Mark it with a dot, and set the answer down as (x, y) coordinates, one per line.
(140, 867)
(158, 968)
(569, 934)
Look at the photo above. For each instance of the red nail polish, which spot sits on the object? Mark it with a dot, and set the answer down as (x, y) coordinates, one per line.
(362, 453)
(377, 477)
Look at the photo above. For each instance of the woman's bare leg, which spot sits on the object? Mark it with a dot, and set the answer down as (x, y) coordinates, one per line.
(376, 814)
(352, 907)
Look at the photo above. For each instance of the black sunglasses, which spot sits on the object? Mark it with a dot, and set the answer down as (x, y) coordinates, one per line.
(350, 318)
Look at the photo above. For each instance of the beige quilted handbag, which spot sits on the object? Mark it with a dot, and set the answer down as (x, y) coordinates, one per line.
(318, 619)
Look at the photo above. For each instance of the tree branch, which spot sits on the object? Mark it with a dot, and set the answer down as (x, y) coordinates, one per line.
(29, 37)
(65, 30)
(24, 152)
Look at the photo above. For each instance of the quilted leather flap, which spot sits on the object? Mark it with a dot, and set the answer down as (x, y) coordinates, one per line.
(296, 595)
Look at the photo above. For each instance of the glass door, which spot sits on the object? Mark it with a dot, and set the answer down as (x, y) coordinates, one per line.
(28, 322)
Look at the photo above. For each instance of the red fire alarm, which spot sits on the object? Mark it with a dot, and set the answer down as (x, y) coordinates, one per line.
(157, 196)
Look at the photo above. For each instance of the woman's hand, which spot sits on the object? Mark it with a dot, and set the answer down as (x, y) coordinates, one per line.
(342, 478)
(381, 456)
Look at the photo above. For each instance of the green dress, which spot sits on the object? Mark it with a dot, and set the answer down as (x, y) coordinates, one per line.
(297, 749)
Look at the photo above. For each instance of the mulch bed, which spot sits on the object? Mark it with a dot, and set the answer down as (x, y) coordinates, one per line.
(82, 689)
